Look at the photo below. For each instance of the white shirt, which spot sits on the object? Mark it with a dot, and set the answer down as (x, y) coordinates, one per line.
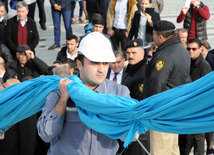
(22, 22)
(120, 14)
(1, 75)
(142, 28)
(119, 76)
(1, 18)
(29, 1)
(69, 56)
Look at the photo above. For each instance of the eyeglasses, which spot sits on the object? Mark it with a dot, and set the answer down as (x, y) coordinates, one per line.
(194, 49)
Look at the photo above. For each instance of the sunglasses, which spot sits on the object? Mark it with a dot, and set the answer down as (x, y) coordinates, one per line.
(194, 49)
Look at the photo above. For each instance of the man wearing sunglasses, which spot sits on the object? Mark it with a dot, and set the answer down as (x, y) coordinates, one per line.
(199, 68)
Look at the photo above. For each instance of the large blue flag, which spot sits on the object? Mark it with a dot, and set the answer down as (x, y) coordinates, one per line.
(186, 109)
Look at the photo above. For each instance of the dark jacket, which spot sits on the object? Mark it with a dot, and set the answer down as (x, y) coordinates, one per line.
(65, 4)
(199, 68)
(134, 79)
(210, 58)
(3, 24)
(168, 68)
(109, 73)
(12, 34)
(201, 24)
(34, 68)
(5, 53)
(149, 28)
(62, 56)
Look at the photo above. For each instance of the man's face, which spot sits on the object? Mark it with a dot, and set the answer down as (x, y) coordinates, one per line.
(194, 50)
(134, 55)
(145, 4)
(183, 36)
(92, 73)
(98, 28)
(72, 45)
(22, 57)
(22, 13)
(193, 1)
(2, 11)
(118, 65)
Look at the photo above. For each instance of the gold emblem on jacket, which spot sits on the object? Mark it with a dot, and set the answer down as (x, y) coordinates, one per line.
(159, 65)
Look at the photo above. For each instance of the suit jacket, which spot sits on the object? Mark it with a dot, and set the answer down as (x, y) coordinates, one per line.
(149, 28)
(109, 73)
(12, 34)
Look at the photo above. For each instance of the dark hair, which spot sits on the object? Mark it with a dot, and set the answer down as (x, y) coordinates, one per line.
(97, 19)
(2, 4)
(72, 36)
(70, 62)
(166, 34)
(195, 40)
(80, 57)
(9, 74)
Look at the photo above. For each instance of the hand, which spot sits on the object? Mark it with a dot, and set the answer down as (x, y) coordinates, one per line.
(60, 8)
(196, 3)
(110, 32)
(63, 83)
(57, 7)
(30, 54)
(126, 34)
(149, 18)
(185, 10)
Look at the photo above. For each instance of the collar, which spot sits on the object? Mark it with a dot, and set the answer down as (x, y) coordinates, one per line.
(69, 55)
(197, 61)
(20, 20)
(1, 19)
(134, 68)
(173, 40)
(101, 88)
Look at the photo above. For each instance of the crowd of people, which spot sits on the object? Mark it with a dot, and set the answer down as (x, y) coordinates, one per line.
(127, 50)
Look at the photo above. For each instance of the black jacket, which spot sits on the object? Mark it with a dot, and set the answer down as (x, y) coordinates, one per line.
(12, 34)
(210, 58)
(34, 68)
(62, 56)
(134, 79)
(3, 24)
(199, 68)
(168, 68)
(109, 73)
(5, 53)
(149, 28)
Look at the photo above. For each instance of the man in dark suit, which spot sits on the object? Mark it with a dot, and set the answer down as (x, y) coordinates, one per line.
(142, 25)
(21, 30)
(117, 68)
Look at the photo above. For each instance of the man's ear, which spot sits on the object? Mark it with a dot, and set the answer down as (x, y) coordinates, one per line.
(79, 64)
(17, 55)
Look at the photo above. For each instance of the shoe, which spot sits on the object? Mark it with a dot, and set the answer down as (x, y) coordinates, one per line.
(53, 47)
(74, 21)
(82, 20)
(43, 27)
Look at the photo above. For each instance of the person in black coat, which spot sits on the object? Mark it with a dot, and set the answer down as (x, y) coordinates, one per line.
(31, 37)
(27, 64)
(199, 68)
(134, 80)
(70, 50)
(143, 22)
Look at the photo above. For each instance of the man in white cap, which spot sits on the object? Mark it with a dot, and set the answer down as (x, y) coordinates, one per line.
(60, 124)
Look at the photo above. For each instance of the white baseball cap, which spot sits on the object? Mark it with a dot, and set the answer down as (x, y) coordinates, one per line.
(96, 47)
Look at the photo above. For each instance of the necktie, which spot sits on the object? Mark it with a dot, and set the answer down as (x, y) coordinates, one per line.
(115, 77)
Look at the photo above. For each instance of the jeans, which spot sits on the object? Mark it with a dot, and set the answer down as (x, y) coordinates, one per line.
(56, 15)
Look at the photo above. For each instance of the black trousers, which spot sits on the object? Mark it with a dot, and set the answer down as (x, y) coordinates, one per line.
(31, 8)
(186, 142)
(119, 38)
(42, 15)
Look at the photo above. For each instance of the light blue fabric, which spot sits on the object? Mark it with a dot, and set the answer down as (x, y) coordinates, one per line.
(186, 109)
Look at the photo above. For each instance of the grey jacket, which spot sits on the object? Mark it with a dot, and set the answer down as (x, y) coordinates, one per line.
(68, 135)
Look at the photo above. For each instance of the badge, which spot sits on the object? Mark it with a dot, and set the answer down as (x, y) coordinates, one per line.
(159, 65)
(135, 43)
(141, 88)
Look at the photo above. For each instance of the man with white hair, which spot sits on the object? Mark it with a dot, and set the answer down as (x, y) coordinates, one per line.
(60, 124)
